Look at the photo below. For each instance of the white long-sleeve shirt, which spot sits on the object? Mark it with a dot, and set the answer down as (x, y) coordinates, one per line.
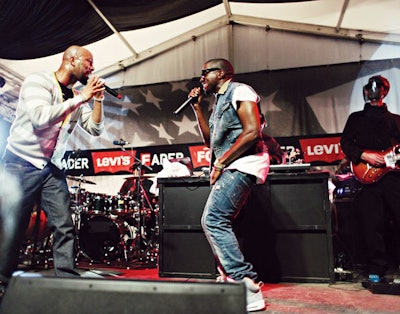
(44, 121)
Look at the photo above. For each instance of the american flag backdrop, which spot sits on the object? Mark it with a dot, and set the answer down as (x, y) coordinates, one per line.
(295, 102)
(306, 101)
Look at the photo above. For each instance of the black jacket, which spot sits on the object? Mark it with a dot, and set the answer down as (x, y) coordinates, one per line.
(374, 128)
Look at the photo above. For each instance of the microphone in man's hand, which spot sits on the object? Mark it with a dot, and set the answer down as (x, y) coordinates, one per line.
(120, 142)
(187, 102)
(112, 92)
(109, 90)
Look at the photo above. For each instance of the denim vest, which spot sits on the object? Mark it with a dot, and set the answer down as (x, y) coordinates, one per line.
(225, 126)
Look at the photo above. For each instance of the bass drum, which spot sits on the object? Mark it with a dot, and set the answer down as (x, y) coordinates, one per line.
(103, 239)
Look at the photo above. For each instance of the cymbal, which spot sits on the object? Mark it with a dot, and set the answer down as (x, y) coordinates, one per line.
(80, 179)
(143, 176)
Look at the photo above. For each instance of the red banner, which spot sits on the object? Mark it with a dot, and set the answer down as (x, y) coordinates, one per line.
(112, 161)
(200, 156)
(323, 149)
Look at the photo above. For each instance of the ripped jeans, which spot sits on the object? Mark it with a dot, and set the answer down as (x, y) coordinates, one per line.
(227, 197)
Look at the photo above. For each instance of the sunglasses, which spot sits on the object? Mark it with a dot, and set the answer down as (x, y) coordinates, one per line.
(206, 71)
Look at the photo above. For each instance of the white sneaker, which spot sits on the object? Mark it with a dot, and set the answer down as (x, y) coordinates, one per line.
(254, 297)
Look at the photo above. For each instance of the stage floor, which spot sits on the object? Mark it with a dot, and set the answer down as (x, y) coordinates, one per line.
(340, 297)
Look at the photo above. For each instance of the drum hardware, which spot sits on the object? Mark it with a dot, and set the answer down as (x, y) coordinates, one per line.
(79, 205)
(144, 246)
(80, 179)
(36, 248)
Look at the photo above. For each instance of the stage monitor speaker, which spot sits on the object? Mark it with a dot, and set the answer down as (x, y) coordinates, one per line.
(186, 254)
(102, 296)
(184, 249)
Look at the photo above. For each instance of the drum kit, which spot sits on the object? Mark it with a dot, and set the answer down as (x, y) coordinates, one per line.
(116, 230)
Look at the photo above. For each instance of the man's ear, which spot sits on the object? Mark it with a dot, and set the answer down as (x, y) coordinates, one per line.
(72, 60)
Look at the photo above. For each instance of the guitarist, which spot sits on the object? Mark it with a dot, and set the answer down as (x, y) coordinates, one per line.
(366, 134)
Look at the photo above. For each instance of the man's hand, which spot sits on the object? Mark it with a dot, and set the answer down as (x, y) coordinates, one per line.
(374, 159)
(214, 175)
(196, 94)
(93, 88)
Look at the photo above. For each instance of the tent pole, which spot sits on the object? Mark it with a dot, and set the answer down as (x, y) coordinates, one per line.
(113, 28)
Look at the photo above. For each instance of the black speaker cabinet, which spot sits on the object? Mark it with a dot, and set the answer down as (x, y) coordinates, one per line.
(184, 249)
(348, 244)
(109, 296)
(300, 212)
(284, 230)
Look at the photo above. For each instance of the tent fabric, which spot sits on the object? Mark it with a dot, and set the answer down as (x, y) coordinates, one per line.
(146, 29)
(46, 28)
(39, 28)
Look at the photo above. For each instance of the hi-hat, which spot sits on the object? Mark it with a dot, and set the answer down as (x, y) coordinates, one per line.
(80, 179)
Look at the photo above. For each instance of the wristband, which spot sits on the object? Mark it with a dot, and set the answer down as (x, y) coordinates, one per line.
(218, 166)
(99, 99)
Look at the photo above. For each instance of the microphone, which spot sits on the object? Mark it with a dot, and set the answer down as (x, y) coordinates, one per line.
(120, 142)
(112, 92)
(109, 90)
(188, 101)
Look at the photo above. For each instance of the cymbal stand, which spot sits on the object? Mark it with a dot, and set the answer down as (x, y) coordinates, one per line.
(77, 211)
(141, 197)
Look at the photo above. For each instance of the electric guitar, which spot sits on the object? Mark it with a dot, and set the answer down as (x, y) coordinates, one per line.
(367, 174)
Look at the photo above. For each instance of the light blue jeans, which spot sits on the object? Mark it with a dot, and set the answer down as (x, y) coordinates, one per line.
(50, 189)
(227, 197)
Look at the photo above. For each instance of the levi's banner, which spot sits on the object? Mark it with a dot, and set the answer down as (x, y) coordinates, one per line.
(112, 161)
(318, 150)
(321, 149)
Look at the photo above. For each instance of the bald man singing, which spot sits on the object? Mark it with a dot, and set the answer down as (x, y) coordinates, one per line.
(48, 110)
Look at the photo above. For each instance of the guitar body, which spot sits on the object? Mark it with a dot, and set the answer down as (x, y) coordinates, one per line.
(367, 174)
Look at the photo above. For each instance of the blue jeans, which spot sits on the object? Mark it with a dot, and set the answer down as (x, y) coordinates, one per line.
(227, 197)
(47, 188)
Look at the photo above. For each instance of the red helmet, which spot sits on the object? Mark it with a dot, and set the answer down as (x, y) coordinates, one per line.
(376, 89)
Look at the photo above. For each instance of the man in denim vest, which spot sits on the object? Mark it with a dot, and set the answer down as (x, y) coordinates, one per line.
(239, 159)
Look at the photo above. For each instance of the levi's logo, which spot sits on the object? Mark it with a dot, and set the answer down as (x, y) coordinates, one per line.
(326, 149)
(111, 161)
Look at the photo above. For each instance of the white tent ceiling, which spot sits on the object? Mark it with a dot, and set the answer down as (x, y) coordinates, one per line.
(265, 35)
(358, 20)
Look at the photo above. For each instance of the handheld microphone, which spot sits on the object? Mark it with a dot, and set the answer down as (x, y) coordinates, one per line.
(112, 92)
(188, 101)
(109, 90)
(120, 142)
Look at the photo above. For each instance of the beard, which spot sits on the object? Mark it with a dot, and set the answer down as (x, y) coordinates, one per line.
(83, 79)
